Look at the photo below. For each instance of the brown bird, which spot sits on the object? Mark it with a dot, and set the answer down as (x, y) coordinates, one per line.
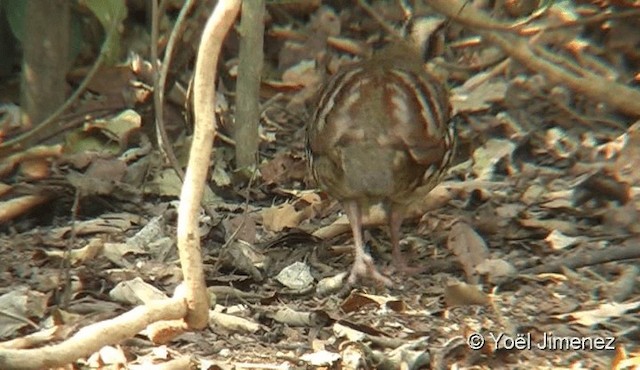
(380, 134)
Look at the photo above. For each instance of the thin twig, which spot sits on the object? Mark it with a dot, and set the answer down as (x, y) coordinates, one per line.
(615, 95)
(376, 16)
(160, 79)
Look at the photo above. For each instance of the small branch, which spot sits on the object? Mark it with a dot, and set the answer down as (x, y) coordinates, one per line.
(590, 258)
(161, 78)
(248, 86)
(615, 95)
(213, 35)
(93, 337)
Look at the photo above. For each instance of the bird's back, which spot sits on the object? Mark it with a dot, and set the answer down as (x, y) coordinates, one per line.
(380, 131)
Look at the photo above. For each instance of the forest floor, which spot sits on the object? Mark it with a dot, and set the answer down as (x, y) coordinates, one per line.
(533, 238)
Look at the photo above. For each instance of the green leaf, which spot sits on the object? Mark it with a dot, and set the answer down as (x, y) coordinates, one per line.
(15, 10)
(107, 11)
(111, 14)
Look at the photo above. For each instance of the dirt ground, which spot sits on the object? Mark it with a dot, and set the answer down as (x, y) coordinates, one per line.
(529, 247)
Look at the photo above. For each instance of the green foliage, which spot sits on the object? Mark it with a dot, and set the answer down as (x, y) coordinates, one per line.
(15, 11)
(110, 13)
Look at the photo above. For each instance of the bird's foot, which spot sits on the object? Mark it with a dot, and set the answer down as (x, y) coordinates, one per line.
(364, 268)
(401, 265)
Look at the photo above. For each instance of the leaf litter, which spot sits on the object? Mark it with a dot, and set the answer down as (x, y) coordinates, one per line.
(542, 177)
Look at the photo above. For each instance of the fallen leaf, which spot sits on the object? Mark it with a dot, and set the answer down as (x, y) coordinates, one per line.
(468, 246)
(277, 218)
(603, 313)
(557, 240)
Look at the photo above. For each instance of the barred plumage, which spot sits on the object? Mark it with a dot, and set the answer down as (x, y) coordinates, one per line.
(380, 134)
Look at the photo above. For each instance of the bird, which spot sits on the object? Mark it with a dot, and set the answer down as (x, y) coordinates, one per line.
(381, 133)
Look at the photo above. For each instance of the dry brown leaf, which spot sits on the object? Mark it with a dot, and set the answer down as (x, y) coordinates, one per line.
(602, 185)
(4, 189)
(565, 227)
(107, 169)
(282, 169)
(35, 169)
(135, 292)
(109, 223)
(559, 144)
(164, 183)
(496, 271)
(557, 240)
(603, 313)
(486, 157)
(533, 194)
(296, 276)
(246, 258)
(19, 305)
(277, 218)
(331, 284)
(302, 74)
(242, 226)
(357, 301)
(287, 315)
(80, 255)
(8, 164)
(109, 356)
(622, 217)
(477, 94)
(462, 294)
(344, 331)
(322, 358)
(627, 164)
(19, 206)
(559, 13)
(468, 246)
(232, 323)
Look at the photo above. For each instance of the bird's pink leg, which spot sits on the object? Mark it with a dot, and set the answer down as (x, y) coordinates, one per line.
(363, 265)
(396, 216)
